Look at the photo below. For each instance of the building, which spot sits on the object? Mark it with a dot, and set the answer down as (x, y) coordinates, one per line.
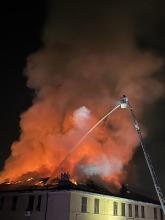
(76, 204)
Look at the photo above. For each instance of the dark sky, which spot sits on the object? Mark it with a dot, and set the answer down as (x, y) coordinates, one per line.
(21, 33)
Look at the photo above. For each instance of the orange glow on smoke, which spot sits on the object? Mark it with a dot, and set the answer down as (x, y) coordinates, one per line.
(64, 109)
(43, 145)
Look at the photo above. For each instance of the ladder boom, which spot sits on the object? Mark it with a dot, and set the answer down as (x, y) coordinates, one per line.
(125, 104)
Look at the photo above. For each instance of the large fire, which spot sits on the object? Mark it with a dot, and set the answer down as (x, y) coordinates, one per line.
(77, 78)
(100, 154)
(105, 152)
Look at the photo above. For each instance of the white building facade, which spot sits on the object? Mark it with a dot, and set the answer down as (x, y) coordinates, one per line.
(74, 205)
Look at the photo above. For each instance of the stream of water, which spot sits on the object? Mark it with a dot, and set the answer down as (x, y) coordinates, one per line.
(81, 140)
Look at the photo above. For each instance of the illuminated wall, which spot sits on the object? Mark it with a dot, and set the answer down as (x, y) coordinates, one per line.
(106, 208)
(72, 205)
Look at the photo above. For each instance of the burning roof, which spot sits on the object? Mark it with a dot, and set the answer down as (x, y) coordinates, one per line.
(77, 76)
(66, 183)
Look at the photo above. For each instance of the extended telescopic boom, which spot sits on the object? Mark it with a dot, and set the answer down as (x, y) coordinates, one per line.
(125, 104)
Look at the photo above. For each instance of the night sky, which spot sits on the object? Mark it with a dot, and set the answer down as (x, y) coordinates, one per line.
(21, 35)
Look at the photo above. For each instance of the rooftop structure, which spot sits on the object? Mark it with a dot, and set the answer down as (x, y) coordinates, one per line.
(68, 201)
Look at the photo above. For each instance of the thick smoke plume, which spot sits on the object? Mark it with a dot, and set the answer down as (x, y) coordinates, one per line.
(88, 60)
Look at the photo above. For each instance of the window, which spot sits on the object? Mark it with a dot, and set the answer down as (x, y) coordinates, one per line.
(84, 204)
(96, 206)
(155, 213)
(123, 209)
(30, 203)
(161, 214)
(14, 203)
(136, 211)
(1, 202)
(115, 208)
(38, 208)
(129, 210)
(142, 212)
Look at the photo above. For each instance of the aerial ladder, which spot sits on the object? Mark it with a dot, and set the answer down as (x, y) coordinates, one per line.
(124, 103)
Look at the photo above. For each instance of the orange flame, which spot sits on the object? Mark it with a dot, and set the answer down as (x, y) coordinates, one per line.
(73, 90)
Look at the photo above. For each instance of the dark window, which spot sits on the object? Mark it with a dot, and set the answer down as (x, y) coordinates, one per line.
(142, 212)
(96, 206)
(123, 209)
(129, 210)
(136, 211)
(155, 213)
(1, 202)
(84, 204)
(14, 203)
(30, 203)
(38, 208)
(161, 214)
(115, 208)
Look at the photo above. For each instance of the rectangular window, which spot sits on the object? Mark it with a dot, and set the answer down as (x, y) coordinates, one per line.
(142, 212)
(136, 211)
(155, 213)
(115, 208)
(84, 204)
(38, 208)
(96, 206)
(30, 203)
(161, 214)
(129, 210)
(14, 203)
(123, 209)
(2, 202)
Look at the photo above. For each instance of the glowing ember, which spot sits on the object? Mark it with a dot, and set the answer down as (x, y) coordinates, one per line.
(30, 179)
(73, 181)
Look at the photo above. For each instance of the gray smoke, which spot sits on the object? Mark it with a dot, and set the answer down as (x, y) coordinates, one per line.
(91, 56)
